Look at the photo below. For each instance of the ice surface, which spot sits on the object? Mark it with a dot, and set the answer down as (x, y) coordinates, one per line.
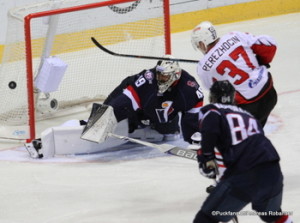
(137, 184)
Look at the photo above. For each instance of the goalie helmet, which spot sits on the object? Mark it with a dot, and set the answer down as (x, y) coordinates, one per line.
(167, 72)
(222, 92)
(204, 32)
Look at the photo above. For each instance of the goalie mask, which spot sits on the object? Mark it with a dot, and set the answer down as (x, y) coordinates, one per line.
(222, 92)
(167, 72)
(206, 33)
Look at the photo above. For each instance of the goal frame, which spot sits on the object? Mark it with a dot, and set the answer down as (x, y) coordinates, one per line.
(28, 47)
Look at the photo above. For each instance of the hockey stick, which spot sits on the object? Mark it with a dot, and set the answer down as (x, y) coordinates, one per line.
(102, 123)
(164, 148)
(167, 148)
(138, 56)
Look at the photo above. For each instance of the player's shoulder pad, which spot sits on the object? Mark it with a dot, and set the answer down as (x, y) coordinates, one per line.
(188, 80)
(208, 107)
(232, 108)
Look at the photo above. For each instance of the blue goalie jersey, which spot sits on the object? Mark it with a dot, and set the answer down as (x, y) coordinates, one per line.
(138, 96)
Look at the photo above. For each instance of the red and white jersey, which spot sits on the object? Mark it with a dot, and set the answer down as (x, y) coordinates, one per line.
(240, 58)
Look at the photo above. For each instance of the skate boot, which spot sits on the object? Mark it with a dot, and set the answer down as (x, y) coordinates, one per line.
(35, 148)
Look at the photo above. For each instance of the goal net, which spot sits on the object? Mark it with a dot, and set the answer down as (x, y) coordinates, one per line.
(51, 67)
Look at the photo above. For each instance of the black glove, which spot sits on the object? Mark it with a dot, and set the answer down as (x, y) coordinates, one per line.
(260, 62)
(207, 164)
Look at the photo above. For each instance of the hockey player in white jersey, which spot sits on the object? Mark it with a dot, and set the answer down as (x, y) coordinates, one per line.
(241, 58)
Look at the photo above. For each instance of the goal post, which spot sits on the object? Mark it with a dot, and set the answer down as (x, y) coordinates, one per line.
(51, 68)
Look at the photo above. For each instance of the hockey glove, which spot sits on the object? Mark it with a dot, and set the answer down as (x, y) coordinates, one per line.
(207, 164)
(259, 60)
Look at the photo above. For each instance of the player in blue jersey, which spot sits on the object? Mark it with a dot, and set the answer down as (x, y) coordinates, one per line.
(159, 103)
(155, 97)
(253, 173)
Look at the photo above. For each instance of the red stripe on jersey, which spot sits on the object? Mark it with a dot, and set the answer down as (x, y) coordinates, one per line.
(265, 53)
(199, 104)
(282, 219)
(241, 100)
(135, 95)
(196, 108)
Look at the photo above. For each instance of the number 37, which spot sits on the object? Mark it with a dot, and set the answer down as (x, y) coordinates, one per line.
(234, 71)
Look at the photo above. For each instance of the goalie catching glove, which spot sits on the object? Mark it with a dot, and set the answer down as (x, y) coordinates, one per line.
(101, 122)
(207, 164)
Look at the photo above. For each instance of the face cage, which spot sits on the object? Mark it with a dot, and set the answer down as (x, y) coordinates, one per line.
(163, 86)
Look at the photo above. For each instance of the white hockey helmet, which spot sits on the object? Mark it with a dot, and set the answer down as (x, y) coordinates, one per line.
(204, 32)
(167, 72)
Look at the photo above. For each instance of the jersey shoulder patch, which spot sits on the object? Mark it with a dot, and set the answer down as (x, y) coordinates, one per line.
(149, 75)
(188, 80)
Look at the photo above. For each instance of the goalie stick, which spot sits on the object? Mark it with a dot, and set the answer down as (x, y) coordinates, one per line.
(164, 148)
(139, 56)
(170, 149)
(101, 124)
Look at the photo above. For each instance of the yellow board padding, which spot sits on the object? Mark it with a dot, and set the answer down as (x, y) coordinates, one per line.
(129, 31)
(234, 13)
(1, 52)
(71, 42)
(179, 23)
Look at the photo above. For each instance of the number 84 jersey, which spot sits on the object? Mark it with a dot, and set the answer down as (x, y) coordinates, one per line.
(242, 59)
(237, 136)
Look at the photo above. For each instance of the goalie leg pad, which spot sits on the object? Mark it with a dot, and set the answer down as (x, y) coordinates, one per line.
(65, 140)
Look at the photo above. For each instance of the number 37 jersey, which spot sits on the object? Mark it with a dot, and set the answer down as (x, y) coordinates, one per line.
(240, 58)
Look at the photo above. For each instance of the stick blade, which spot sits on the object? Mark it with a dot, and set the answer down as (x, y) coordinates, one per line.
(164, 148)
(184, 153)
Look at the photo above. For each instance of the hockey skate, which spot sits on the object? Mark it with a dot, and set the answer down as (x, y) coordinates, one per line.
(34, 149)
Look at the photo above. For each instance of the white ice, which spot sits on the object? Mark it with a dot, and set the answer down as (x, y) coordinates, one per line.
(140, 185)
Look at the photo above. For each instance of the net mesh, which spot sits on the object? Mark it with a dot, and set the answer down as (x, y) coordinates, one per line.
(91, 73)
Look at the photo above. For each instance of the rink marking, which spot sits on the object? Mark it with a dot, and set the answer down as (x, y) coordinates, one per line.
(129, 152)
(289, 92)
(135, 152)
